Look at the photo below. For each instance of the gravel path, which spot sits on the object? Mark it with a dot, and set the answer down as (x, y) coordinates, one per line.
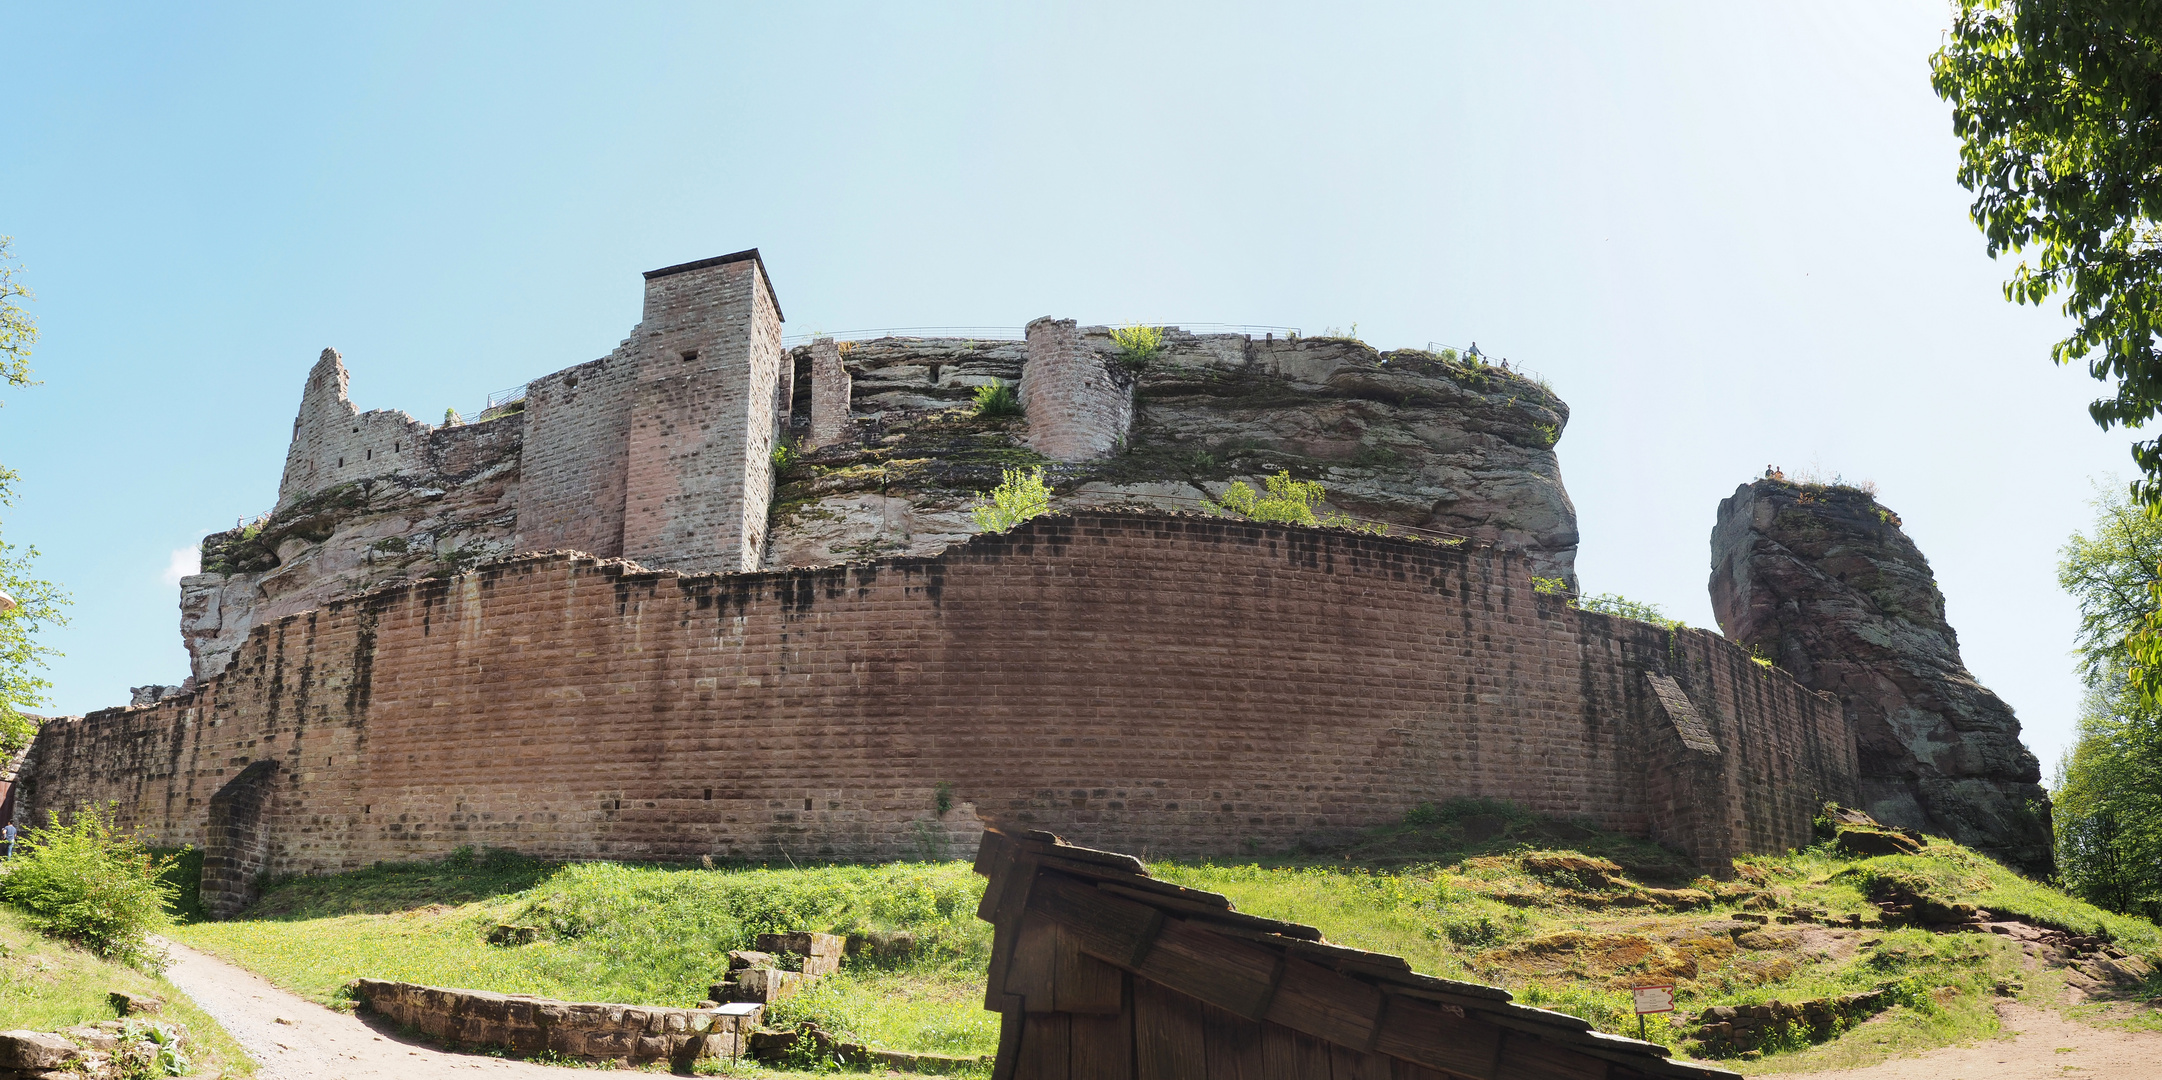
(2048, 1045)
(291, 1038)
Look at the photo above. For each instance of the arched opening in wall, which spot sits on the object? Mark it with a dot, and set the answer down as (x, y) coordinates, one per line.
(799, 399)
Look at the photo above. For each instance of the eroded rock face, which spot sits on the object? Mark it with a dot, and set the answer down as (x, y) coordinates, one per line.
(1408, 438)
(1823, 581)
(353, 537)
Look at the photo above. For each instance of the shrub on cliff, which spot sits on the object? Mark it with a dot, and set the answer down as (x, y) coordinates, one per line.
(1020, 495)
(83, 881)
(995, 401)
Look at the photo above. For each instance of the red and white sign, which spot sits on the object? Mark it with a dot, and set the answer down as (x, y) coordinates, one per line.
(1653, 999)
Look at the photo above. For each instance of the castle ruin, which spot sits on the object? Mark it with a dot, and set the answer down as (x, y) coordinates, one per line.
(612, 621)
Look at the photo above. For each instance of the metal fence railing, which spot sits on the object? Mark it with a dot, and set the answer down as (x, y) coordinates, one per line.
(1017, 333)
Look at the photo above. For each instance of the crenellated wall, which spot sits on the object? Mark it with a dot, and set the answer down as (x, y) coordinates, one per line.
(1146, 682)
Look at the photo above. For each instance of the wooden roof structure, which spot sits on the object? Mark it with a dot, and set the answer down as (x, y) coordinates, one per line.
(1104, 973)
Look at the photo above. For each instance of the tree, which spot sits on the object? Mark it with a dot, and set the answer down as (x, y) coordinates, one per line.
(2108, 793)
(2058, 108)
(30, 604)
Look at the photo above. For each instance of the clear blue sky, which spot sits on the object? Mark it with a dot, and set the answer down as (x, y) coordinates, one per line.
(1729, 234)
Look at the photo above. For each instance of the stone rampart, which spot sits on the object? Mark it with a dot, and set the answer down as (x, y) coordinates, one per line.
(1154, 683)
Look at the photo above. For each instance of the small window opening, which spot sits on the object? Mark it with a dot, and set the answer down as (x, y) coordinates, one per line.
(709, 794)
(371, 455)
(570, 382)
(394, 448)
(356, 431)
(806, 804)
(690, 355)
(341, 463)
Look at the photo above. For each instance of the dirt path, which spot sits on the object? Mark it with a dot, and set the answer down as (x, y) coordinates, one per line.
(294, 1039)
(2048, 1045)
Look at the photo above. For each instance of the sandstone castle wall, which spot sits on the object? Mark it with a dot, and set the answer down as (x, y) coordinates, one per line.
(1144, 682)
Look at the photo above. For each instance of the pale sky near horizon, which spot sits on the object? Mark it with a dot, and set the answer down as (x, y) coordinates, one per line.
(1729, 235)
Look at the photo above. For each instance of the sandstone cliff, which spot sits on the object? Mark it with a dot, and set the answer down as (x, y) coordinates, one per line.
(1414, 439)
(1409, 438)
(456, 510)
(1822, 580)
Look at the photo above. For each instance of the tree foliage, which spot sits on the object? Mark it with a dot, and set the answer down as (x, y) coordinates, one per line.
(37, 602)
(2058, 107)
(2108, 794)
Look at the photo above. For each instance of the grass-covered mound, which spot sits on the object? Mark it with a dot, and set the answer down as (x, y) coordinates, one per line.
(46, 985)
(1566, 916)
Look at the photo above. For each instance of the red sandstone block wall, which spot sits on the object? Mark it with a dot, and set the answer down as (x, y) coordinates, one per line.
(1157, 684)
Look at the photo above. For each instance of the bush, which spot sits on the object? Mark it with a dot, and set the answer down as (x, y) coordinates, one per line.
(1619, 605)
(1288, 501)
(996, 400)
(1138, 345)
(1020, 495)
(84, 882)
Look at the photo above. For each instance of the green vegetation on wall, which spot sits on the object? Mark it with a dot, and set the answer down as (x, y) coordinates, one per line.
(1020, 495)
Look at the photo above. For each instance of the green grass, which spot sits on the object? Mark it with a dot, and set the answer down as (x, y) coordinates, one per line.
(46, 985)
(630, 933)
(1447, 889)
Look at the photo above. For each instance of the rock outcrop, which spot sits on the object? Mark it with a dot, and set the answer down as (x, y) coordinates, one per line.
(1821, 580)
(1413, 439)
(1416, 440)
(450, 505)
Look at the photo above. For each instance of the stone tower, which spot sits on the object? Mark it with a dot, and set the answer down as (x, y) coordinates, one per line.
(705, 416)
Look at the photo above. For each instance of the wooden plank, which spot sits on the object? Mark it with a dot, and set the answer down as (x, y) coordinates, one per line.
(1169, 1041)
(1225, 972)
(1103, 1046)
(1525, 1057)
(1082, 984)
(1030, 973)
(1104, 926)
(1178, 905)
(1280, 1058)
(1010, 1023)
(1046, 1052)
(1346, 1063)
(1410, 1070)
(1326, 1004)
(1438, 1037)
(991, 852)
(1234, 1045)
(1013, 901)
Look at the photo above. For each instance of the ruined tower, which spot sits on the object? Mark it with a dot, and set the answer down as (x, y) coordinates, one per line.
(705, 416)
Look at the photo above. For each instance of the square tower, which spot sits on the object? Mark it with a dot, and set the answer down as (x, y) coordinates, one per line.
(704, 416)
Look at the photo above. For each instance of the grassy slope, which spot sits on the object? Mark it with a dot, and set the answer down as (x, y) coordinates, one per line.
(46, 985)
(1443, 891)
(638, 934)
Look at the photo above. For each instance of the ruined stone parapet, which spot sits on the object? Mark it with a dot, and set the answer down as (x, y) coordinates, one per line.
(704, 420)
(334, 442)
(1079, 405)
(830, 391)
(593, 1031)
(1822, 580)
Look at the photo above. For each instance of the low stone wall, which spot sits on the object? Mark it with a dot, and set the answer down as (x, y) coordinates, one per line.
(529, 1025)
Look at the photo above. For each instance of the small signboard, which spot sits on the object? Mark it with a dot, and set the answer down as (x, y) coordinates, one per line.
(1653, 999)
